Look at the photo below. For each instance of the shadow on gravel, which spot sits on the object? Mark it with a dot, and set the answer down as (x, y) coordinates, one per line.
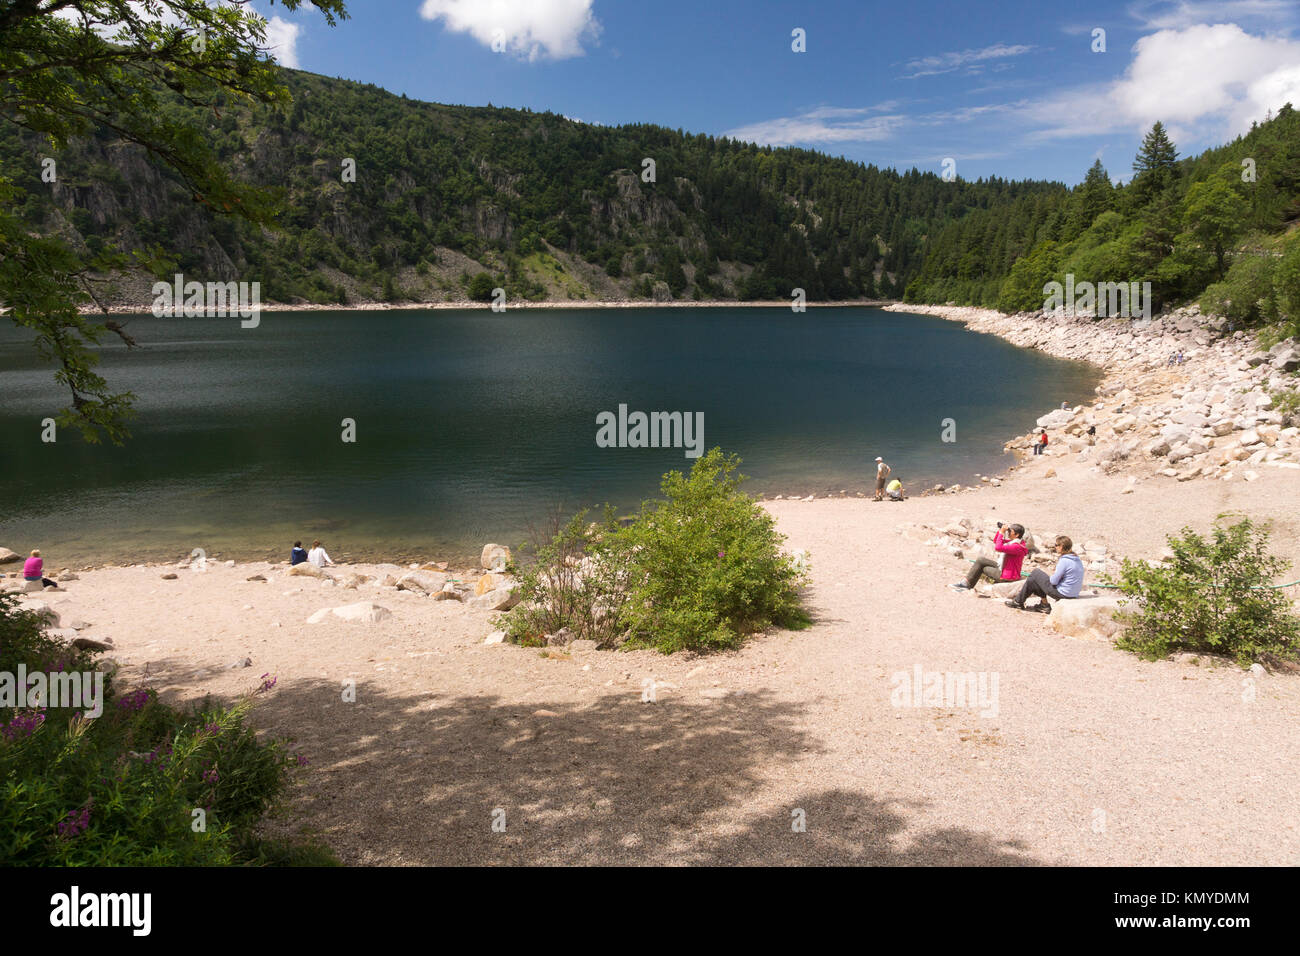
(408, 780)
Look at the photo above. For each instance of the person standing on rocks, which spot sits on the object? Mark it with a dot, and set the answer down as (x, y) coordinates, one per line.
(1009, 541)
(882, 475)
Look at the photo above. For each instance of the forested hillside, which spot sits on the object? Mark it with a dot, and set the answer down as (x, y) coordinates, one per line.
(448, 202)
(543, 205)
(1213, 227)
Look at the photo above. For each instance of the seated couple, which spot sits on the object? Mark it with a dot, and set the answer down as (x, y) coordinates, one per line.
(317, 555)
(1066, 581)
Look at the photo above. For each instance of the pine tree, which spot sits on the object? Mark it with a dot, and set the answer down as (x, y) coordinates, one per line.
(1094, 196)
(1155, 164)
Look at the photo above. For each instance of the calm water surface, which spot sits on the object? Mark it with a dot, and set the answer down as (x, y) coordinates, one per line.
(471, 426)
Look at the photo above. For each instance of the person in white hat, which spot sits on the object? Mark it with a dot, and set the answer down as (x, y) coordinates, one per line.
(882, 475)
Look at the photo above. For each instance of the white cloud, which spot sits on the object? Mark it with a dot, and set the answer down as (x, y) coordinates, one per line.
(1184, 75)
(826, 124)
(947, 62)
(1206, 83)
(530, 29)
(1177, 14)
(282, 41)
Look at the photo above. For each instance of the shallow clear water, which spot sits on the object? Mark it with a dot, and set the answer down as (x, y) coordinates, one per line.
(471, 425)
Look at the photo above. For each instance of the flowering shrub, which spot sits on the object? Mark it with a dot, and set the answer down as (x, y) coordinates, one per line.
(134, 701)
(121, 789)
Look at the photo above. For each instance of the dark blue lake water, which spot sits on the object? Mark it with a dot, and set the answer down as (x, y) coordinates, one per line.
(470, 425)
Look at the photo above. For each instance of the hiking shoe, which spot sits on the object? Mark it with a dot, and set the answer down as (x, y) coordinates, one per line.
(960, 586)
(1044, 608)
(1014, 604)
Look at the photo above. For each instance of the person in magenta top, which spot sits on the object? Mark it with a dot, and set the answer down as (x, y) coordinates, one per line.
(33, 570)
(1009, 542)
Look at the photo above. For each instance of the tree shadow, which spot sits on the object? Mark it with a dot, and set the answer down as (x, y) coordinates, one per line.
(481, 780)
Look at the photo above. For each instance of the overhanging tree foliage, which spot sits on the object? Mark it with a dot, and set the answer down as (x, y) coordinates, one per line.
(71, 67)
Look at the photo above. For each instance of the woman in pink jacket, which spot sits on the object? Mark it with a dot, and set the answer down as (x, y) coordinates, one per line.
(1008, 542)
(33, 570)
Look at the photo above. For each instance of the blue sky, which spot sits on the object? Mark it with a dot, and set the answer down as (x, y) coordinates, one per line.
(1012, 88)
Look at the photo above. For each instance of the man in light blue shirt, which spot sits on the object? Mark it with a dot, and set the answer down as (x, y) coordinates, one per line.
(1066, 581)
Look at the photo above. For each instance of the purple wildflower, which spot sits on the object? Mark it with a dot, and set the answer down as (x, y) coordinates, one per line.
(24, 724)
(77, 821)
(134, 701)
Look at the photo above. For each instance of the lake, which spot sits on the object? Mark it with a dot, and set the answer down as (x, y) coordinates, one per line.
(472, 426)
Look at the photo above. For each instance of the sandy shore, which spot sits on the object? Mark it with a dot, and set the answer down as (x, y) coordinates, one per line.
(1090, 756)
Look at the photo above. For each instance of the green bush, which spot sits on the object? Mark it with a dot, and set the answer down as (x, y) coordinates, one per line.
(1212, 597)
(1022, 291)
(698, 570)
(481, 286)
(704, 565)
(121, 789)
(1286, 402)
(1286, 288)
(574, 582)
(1246, 295)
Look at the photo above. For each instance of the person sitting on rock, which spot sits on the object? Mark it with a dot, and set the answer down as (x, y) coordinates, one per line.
(1009, 542)
(298, 555)
(33, 570)
(1066, 580)
(1040, 443)
(317, 555)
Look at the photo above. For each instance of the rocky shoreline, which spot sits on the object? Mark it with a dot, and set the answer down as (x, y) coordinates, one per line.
(1211, 416)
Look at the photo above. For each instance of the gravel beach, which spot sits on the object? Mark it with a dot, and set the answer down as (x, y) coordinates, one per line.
(794, 749)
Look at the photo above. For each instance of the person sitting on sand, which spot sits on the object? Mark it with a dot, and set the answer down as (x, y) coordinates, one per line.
(882, 474)
(1066, 580)
(895, 490)
(1009, 541)
(298, 555)
(33, 570)
(317, 556)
